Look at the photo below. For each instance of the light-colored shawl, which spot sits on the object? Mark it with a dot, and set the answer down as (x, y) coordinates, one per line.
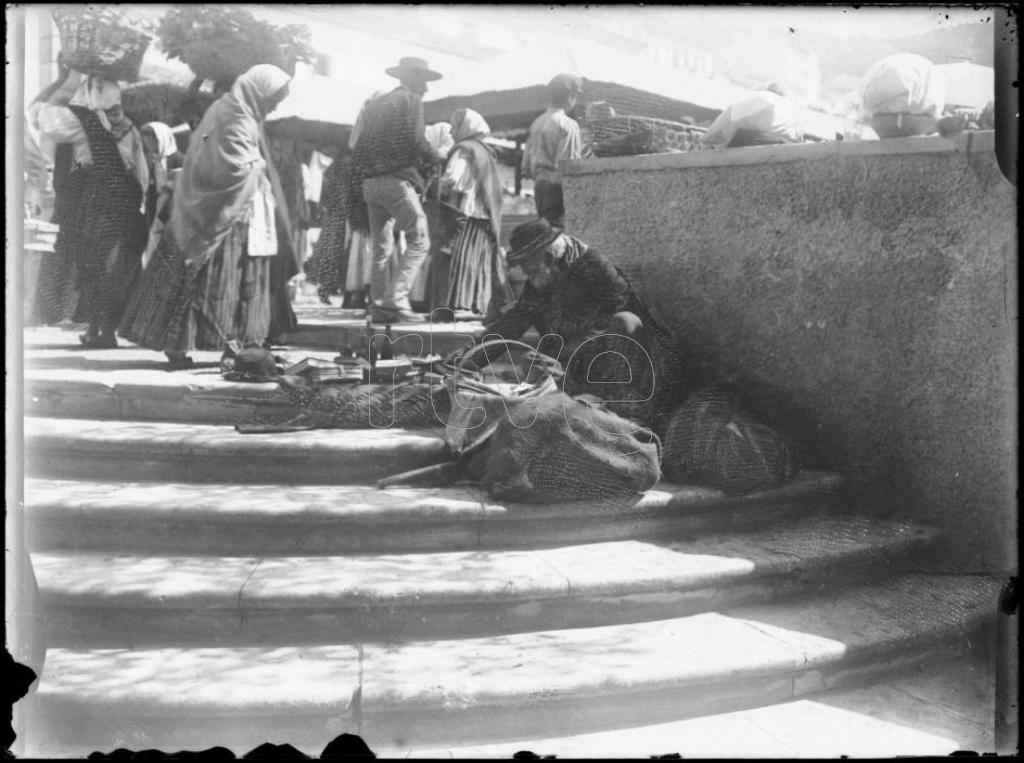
(223, 164)
(106, 96)
(99, 95)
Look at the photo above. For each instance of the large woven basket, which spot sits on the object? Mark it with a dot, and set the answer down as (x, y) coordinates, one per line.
(95, 42)
(628, 135)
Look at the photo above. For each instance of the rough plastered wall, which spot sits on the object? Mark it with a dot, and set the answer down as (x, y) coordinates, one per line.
(866, 291)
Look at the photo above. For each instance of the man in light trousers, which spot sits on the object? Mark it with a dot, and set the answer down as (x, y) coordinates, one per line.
(390, 150)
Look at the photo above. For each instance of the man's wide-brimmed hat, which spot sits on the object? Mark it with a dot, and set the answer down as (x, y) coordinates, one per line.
(412, 64)
(529, 238)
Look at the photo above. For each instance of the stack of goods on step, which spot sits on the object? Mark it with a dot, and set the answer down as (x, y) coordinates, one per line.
(628, 135)
(101, 41)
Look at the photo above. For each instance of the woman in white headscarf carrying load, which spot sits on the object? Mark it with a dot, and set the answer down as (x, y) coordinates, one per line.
(208, 285)
(100, 176)
(470, 185)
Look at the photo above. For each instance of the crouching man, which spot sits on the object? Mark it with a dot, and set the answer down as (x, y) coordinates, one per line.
(591, 320)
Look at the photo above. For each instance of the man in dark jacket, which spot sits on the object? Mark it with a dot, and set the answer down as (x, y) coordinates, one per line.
(592, 321)
(389, 152)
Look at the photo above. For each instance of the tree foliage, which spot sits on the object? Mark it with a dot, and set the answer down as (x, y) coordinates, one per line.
(218, 43)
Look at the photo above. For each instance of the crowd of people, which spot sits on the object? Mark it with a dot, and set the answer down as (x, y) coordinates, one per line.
(178, 252)
(189, 251)
(184, 251)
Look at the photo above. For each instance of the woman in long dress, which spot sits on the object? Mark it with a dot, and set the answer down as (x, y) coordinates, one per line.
(477, 279)
(100, 175)
(209, 282)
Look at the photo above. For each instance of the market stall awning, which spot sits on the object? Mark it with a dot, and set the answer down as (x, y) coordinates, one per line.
(509, 91)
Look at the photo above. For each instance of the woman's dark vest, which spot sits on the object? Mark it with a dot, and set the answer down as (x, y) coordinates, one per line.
(110, 196)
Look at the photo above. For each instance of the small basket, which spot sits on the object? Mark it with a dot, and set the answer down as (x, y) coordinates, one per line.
(99, 43)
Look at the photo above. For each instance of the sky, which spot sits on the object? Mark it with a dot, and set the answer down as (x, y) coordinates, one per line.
(838, 21)
(361, 52)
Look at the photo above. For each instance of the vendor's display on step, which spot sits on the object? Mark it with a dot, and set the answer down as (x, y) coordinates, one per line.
(340, 370)
(101, 40)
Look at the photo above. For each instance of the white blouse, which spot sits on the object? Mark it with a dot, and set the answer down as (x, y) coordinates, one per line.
(460, 176)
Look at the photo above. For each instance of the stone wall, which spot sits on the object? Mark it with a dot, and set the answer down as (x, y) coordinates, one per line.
(865, 292)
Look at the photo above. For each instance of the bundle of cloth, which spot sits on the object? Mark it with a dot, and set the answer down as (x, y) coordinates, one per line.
(903, 95)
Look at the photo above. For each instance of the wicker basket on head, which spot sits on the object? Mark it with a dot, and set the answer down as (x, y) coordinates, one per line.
(99, 42)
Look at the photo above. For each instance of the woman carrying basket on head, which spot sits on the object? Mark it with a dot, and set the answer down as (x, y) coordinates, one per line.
(209, 282)
(100, 174)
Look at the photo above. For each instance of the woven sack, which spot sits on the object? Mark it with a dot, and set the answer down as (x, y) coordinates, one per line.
(368, 406)
(555, 448)
(711, 441)
(95, 41)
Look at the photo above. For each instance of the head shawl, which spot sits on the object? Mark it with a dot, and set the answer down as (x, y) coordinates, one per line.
(467, 123)
(223, 163)
(85, 97)
(167, 146)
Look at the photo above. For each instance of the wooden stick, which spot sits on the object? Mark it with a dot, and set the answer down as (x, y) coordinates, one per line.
(436, 475)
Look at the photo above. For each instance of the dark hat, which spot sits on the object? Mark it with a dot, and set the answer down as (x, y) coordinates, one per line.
(410, 64)
(564, 84)
(529, 238)
(253, 364)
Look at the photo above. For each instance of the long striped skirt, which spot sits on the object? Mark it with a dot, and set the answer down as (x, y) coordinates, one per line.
(230, 298)
(477, 271)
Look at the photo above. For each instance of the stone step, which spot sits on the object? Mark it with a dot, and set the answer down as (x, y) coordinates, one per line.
(937, 711)
(333, 330)
(246, 520)
(102, 599)
(200, 396)
(327, 330)
(519, 686)
(129, 450)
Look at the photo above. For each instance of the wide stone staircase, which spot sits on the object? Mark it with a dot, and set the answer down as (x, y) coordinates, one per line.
(203, 587)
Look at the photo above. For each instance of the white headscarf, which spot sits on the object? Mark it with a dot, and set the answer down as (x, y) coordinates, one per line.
(467, 124)
(166, 148)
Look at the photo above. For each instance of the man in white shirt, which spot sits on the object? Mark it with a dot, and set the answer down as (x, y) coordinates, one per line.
(554, 137)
